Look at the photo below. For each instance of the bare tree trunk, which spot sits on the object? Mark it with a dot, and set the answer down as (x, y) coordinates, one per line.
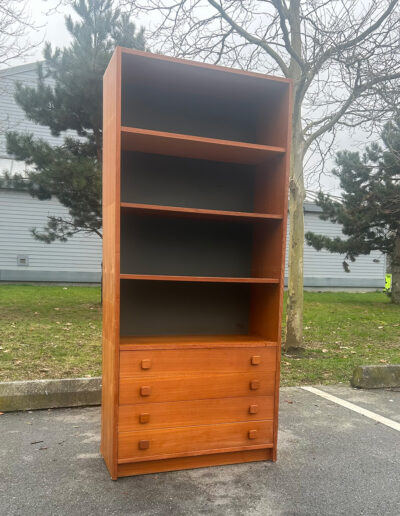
(294, 310)
(395, 266)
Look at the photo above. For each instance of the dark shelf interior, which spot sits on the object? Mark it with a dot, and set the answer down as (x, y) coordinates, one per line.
(151, 244)
(174, 308)
(200, 102)
(190, 183)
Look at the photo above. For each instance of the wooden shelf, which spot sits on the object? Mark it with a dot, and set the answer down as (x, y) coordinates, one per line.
(193, 341)
(197, 212)
(187, 146)
(203, 279)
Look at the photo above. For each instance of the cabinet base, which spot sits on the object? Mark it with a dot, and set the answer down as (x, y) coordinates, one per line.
(202, 461)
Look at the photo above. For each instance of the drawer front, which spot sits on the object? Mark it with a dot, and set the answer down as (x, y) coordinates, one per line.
(147, 416)
(202, 386)
(178, 361)
(170, 442)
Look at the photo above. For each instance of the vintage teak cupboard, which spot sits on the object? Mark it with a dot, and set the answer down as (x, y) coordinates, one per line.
(195, 175)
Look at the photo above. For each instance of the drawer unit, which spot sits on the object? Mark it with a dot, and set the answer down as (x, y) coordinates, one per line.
(186, 361)
(195, 412)
(175, 442)
(191, 387)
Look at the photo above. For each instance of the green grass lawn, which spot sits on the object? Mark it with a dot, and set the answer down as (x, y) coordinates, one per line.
(49, 332)
(54, 332)
(341, 331)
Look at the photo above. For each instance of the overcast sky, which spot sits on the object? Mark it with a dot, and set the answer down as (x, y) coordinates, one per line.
(51, 27)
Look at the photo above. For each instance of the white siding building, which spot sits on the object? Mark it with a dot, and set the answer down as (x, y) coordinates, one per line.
(324, 269)
(22, 258)
(12, 118)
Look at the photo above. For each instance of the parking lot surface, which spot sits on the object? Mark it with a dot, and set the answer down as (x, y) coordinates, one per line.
(331, 461)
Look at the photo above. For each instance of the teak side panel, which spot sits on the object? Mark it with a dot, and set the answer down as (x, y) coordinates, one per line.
(154, 444)
(196, 386)
(111, 209)
(193, 413)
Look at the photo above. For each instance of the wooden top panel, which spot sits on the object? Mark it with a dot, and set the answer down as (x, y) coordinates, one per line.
(198, 147)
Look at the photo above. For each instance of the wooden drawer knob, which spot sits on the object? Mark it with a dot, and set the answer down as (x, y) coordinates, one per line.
(145, 390)
(144, 418)
(252, 434)
(255, 360)
(253, 409)
(146, 363)
(254, 385)
(144, 444)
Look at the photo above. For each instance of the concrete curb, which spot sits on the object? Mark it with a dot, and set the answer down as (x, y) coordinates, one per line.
(376, 377)
(43, 394)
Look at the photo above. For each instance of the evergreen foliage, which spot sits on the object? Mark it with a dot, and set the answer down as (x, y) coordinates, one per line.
(68, 97)
(369, 211)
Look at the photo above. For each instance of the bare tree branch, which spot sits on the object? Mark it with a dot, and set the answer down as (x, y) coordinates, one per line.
(15, 27)
(283, 14)
(250, 38)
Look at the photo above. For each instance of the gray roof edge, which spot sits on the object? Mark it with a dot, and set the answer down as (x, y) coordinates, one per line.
(311, 207)
(14, 70)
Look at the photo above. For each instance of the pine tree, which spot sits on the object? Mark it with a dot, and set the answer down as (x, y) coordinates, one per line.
(68, 96)
(370, 207)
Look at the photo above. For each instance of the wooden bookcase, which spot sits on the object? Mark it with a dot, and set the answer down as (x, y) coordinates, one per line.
(195, 177)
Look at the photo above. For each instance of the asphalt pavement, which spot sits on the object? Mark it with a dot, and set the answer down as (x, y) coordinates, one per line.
(331, 461)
